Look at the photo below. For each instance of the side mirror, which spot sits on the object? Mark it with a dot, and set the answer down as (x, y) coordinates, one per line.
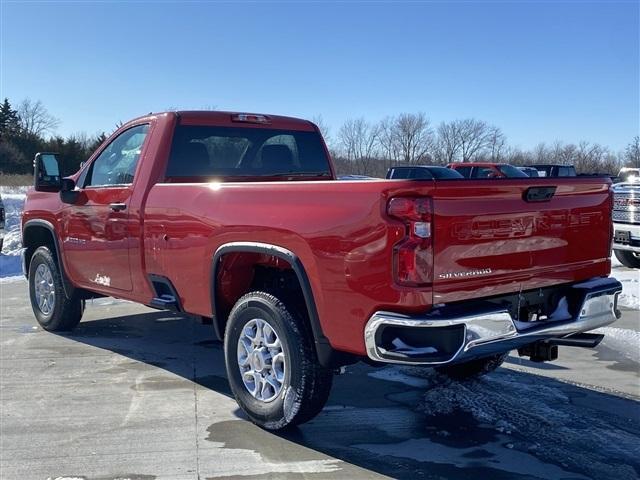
(68, 192)
(46, 175)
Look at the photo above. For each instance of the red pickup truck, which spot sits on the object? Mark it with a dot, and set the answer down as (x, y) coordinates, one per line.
(239, 219)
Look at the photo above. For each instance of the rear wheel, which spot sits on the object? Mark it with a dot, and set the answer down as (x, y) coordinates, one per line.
(53, 310)
(628, 258)
(272, 367)
(474, 368)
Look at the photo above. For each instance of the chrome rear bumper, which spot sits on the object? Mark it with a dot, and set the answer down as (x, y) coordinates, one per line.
(447, 335)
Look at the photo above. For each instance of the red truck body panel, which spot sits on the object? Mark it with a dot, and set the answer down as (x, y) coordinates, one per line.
(487, 240)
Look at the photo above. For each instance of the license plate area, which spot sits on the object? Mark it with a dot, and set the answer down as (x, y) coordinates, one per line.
(623, 237)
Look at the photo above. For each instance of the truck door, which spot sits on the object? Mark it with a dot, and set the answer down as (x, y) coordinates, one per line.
(97, 231)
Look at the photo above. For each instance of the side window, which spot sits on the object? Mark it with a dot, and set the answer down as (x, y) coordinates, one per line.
(117, 163)
(421, 174)
(399, 173)
(464, 171)
(484, 172)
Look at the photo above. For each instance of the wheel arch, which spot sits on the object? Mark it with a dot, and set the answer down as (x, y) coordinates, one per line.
(327, 356)
(37, 233)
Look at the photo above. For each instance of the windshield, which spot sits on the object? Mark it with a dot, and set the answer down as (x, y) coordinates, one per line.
(204, 152)
(512, 172)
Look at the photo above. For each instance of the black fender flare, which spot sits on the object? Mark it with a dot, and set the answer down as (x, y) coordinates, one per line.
(69, 289)
(326, 354)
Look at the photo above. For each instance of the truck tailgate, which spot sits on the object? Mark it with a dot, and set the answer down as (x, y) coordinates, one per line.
(489, 240)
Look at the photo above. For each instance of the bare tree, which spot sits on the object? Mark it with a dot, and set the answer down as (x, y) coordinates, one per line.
(407, 138)
(358, 139)
(448, 144)
(325, 130)
(387, 140)
(632, 153)
(474, 136)
(496, 144)
(35, 119)
(414, 136)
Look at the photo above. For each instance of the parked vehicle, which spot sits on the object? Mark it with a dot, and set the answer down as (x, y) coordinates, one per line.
(529, 171)
(2, 219)
(487, 170)
(626, 223)
(549, 170)
(629, 175)
(421, 172)
(238, 218)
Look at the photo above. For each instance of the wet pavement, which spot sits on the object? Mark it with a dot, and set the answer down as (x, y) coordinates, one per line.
(140, 394)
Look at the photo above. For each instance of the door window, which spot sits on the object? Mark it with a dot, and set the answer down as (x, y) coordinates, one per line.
(484, 172)
(116, 165)
(464, 171)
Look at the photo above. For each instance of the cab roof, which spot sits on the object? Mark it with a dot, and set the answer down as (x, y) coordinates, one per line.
(237, 119)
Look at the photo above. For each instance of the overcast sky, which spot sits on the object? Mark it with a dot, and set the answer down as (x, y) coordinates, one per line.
(540, 70)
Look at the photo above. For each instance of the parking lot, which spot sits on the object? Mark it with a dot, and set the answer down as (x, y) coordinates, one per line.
(141, 394)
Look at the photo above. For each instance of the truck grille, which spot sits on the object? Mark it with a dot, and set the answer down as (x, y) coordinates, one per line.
(626, 207)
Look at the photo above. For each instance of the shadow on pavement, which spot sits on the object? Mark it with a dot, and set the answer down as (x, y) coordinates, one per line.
(408, 423)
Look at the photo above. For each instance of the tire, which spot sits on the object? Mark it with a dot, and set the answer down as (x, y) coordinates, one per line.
(628, 258)
(56, 313)
(298, 385)
(473, 368)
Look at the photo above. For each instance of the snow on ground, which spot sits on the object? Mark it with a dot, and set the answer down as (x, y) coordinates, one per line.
(622, 340)
(10, 263)
(630, 279)
(11, 269)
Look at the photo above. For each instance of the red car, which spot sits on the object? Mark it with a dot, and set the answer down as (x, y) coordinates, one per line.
(487, 170)
(238, 218)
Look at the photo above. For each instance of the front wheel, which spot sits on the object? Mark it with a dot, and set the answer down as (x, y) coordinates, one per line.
(53, 310)
(473, 368)
(272, 367)
(628, 258)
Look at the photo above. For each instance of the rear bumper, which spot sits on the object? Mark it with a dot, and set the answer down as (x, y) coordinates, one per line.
(451, 335)
(634, 234)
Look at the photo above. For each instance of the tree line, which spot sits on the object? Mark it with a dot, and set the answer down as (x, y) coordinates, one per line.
(30, 128)
(370, 148)
(358, 147)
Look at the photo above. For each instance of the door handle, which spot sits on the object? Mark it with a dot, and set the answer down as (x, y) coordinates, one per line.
(117, 207)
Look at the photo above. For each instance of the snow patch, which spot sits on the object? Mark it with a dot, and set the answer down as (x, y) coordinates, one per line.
(626, 342)
(395, 374)
(544, 417)
(10, 261)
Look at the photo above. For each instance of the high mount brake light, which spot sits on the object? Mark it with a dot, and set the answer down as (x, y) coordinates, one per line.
(250, 118)
(413, 255)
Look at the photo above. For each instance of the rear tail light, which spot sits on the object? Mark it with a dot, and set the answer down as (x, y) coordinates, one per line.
(250, 118)
(413, 255)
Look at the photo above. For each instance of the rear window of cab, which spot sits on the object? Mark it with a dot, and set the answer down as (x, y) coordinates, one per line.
(200, 153)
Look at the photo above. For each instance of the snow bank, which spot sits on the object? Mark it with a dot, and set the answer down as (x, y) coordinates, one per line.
(630, 279)
(10, 263)
(626, 342)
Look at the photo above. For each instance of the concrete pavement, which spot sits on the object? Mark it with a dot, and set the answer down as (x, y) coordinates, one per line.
(141, 394)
